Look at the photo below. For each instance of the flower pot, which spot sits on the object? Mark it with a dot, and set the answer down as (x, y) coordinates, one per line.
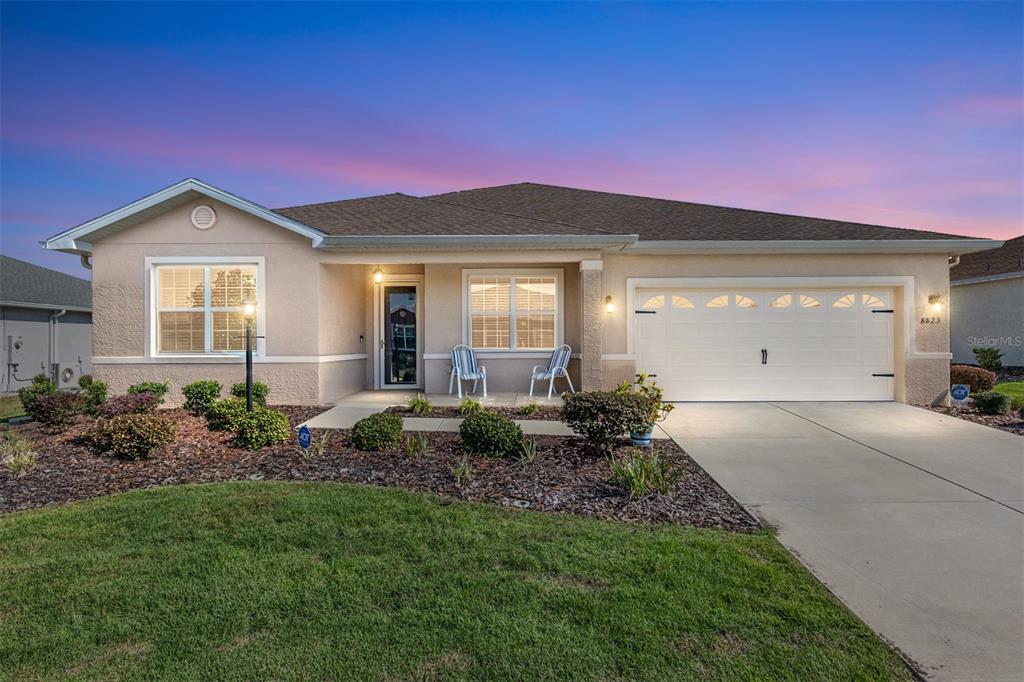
(642, 439)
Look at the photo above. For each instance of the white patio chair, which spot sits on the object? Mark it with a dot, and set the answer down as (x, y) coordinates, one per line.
(464, 368)
(558, 366)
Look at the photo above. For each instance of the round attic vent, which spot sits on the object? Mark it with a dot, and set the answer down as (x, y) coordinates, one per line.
(203, 217)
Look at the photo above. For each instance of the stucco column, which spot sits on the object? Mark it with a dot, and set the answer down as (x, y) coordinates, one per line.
(593, 319)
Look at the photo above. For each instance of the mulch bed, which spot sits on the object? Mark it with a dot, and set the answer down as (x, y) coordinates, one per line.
(551, 413)
(1005, 422)
(565, 478)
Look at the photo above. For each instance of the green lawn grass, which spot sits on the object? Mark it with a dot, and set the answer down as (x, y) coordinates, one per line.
(1014, 389)
(10, 406)
(329, 581)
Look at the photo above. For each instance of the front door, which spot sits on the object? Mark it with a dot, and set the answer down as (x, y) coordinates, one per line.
(399, 335)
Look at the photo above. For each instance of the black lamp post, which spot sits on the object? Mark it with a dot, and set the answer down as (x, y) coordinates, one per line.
(249, 312)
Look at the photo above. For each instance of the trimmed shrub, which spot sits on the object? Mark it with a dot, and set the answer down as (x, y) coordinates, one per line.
(989, 358)
(41, 385)
(529, 409)
(469, 406)
(262, 427)
(85, 381)
(225, 415)
(419, 404)
(132, 436)
(136, 403)
(377, 432)
(94, 393)
(199, 395)
(259, 392)
(491, 434)
(977, 378)
(602, 417)
(57, 410)
(990, 402)
(155, 387)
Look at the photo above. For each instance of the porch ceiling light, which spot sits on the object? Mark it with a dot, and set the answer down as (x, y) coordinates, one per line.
(935, 302)
(609, 306)
(378, 275)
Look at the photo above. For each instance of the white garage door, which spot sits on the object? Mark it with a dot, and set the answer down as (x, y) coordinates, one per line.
(767, 344)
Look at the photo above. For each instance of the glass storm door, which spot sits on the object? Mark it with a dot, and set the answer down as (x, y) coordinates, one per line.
(399, 341)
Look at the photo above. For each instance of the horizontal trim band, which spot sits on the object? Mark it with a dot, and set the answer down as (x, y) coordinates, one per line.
(225, 359)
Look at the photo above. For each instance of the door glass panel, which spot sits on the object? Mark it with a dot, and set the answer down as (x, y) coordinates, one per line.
(400, 340)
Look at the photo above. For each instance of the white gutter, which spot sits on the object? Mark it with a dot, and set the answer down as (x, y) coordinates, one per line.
(44, 306)
(542, 241)
(986, 278)
(947, 246)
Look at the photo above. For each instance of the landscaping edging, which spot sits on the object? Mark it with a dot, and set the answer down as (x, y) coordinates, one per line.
(565, 478)
(1012, 423)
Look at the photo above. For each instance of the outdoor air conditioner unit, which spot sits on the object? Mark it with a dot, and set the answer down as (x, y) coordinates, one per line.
(65, 376)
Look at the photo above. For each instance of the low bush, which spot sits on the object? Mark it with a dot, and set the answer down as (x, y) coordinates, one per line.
(259, 392)
(602, 417)
(528, 452)
(57, 410)
(469, 406)
(642, 473)
(41, 385)
(463, 470)
(989, 358)
(84, 381)
(225, 415)
(136, 403)
(132, 436)
(419, 404)
(155, 387)
(977, 378)
(417, 444)
(16, 454)
(94, 393)
(990, 402)
(262, 427)
(377, 432)
(199, 395)
(529, 409)
(491, 434)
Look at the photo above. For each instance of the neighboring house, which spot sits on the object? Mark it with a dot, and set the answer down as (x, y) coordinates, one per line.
(45, 325)
(986, 303)
(718, 303)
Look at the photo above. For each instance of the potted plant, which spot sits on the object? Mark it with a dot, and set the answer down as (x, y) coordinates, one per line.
(659, 409)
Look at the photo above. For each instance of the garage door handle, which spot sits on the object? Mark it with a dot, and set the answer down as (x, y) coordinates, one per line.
(644, 312)
(764, 356)
(883, 375)
(878, 310)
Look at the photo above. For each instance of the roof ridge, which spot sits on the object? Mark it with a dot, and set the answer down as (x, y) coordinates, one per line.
(342, 201)
(589, 228)
(695, 203)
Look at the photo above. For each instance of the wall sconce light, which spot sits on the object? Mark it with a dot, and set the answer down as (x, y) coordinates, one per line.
(609, 307)
(935, 302)
(378, 275)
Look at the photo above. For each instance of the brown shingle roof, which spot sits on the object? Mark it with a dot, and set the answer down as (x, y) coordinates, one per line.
(664, 219)
(1007, 258)
(400, 214)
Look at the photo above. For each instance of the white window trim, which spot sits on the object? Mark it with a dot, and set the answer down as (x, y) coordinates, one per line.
(557, 273)
(153, 262)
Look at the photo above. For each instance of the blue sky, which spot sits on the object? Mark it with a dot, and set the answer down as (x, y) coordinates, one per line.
(901, 114)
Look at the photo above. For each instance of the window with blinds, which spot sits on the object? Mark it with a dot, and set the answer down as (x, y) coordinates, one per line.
(513, 312)
(199, 307)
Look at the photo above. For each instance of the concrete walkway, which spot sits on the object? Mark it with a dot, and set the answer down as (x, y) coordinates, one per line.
(912, 518)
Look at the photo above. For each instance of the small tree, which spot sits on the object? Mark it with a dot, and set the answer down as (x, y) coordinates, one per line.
(989, 358)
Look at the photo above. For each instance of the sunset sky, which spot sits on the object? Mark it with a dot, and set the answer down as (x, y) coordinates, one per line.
(900, 114)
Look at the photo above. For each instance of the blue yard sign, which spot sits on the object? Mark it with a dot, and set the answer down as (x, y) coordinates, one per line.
(959, 393)
(305, 437)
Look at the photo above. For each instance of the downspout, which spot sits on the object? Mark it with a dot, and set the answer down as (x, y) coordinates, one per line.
(85, 261)
(954, 261)
(54, 340)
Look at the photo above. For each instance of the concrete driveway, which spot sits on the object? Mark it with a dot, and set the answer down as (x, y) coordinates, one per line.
(912, 518)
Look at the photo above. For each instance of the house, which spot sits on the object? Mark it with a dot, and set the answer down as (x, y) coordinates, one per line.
(45, 325)
(986, 303)
(718, 303)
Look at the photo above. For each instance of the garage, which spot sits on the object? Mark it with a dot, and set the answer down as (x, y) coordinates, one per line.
(766, 344)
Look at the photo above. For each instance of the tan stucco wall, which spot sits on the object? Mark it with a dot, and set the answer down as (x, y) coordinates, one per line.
(987, 314)
(918, 380)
